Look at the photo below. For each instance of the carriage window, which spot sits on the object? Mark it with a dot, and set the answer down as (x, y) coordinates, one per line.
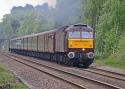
(18, 42)
(87, 34)
(75, 34)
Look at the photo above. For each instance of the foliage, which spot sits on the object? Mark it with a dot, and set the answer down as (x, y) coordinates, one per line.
(107, 17)
(117, 59)
(92, 12)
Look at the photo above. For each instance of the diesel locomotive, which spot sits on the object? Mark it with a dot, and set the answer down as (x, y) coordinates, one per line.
(70, 45)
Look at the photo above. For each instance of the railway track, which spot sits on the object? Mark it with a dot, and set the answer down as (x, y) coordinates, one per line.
(69, 77)
(107, 73)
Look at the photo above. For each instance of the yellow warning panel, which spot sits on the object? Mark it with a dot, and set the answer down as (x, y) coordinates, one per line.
(80, 43)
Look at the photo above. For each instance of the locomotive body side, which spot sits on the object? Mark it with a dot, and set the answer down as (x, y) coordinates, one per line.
(61, 40)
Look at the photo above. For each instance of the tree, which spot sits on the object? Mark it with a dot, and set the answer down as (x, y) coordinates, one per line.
(15, 25)
(107, 17)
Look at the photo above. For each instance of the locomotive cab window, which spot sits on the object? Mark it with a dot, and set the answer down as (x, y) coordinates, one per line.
(78, 34)
(74, 34)
(87, 35)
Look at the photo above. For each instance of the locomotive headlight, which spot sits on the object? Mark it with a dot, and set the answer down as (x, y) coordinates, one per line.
(83, 49)
(90, 55)
(71, 55)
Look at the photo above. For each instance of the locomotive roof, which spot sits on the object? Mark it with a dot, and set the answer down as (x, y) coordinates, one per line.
(80, 26)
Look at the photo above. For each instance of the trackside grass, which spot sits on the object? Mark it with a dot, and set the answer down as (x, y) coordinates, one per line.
(8, 78)
(112, 63)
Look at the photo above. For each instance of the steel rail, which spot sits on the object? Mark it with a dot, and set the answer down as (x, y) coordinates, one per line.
(120, 74)
(113, 75)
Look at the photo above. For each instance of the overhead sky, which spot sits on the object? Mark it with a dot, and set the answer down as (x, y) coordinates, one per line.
(6, 5)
